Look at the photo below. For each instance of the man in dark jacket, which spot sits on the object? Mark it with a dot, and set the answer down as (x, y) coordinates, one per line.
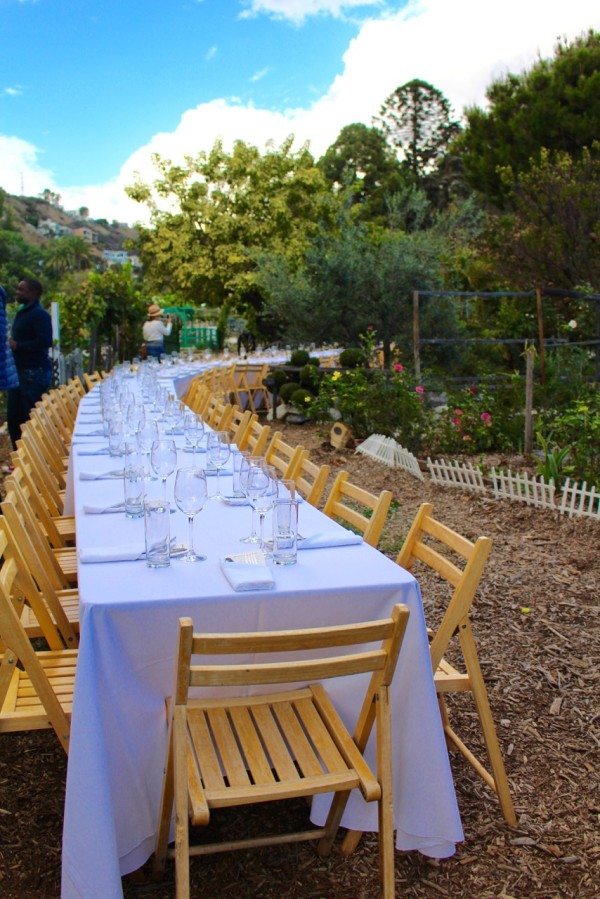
(31, 339)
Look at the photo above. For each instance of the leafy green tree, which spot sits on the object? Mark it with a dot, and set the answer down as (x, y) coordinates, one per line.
(361, 162)
(555, 105)
(67, 254)
(552, 236)
(416, 119)
(211, 216)
(350, 282)
(105, 308)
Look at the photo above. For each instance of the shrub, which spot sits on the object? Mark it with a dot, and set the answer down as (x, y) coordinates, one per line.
(287, 390)
(299, 358)
(310, 377)
(301, 398)
(314, 360)
(578, 428)
(475, 420)
(353, 357)
(280, 378)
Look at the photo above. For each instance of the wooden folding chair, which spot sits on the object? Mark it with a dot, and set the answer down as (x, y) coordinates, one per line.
(219, 417)
(91, 379)
(60, 530)
(286, 459)
(44, 476)
(36, 688)
(292, 742)
(35, 586)
(248, 387)
(258, 437)
(349, 502)
(311, 479)
(239, 426)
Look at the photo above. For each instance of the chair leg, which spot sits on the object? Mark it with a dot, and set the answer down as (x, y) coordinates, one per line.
(386, 803)
(332, 823)
(182, 842)
(487, 724)
(166, 808)
(351, 841)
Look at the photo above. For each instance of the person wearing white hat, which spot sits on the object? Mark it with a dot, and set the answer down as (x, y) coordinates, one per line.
(155, 331)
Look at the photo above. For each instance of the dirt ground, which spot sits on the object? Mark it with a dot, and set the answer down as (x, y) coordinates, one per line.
(535, 620)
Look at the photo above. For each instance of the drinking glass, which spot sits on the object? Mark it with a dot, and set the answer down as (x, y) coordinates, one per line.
(116, 436)
(193, 430)
(265, 500)
(190, 496)
(163, 458)
(285, 532)
(157, 533)
(219, 449)
(254, 480)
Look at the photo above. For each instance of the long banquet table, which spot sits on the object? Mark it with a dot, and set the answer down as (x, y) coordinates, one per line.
(129, 619)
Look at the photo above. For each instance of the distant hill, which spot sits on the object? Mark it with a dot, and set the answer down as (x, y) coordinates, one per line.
(27, 214)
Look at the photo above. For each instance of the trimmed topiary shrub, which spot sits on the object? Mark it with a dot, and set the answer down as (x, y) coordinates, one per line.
(287, 390)
(314, 360)
(311, 377)
(353, 357)
(299, 358)
(301, 398)
(280, 378)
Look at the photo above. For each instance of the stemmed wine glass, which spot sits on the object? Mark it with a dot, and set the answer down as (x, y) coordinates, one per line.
(254, 480)
(193, 429)
(146, 437)
(163, 457)
(190, 495)
(219, 450)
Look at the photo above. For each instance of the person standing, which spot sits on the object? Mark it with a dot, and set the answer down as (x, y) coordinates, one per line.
(31, 339)
(155, 331)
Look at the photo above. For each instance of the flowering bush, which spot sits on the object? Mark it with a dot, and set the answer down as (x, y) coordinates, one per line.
(474, 421)
(577, 429)
(374, 402)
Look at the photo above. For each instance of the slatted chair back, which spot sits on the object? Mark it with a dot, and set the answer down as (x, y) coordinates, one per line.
(285, 458)
(50, 441)
(229, 751)
(198, 397)
(36, 688)
(463, 576)
(91, 379)
(350, 503)
(248, 386)
(21, 478)
(76, 386)
(258, 437)
(45, 478)
(239, 426)
(220, 416)
(36, 549)
(311, 480)
(58, 620)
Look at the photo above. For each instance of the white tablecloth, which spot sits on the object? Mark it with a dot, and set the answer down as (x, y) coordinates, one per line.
(129, 620)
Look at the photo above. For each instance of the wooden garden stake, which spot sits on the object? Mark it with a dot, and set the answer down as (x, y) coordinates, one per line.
(416, 335)
(540, 318)
(529, 363)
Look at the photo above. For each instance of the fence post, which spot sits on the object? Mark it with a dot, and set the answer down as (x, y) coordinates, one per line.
(540, 318)
(529, 360)
(416, 335)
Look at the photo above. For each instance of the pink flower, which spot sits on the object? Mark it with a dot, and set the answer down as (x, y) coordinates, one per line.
(456, 422)
(398, 367)
(420, 389)
(486, 418)
(466, 437)
(458, 411)
(473, 391)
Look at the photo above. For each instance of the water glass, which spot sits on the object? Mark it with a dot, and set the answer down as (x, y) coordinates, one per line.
(157, 533)
(116, 436)
(285, 532)
(133, 481)
(238, 458)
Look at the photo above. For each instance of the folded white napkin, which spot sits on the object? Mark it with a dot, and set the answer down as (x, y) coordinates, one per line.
(190, 449)
(103, 451)
(339, 537)
(104, 510)
(100, 476)
(90, 412)
(99, 432)
(243, 576)
(96, 420)
(111, 554)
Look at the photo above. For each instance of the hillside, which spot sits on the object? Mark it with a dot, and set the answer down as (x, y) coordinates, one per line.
(25, 214)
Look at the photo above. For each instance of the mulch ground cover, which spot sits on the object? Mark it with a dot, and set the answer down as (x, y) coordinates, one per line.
(535, 620)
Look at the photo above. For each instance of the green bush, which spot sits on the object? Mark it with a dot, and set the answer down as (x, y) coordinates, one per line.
(301, 398)
(299, 358)
(310, 377)
(374, 403)
(577, 428)
(287, 390)
(353, 357)
(476, 420)
(314, 360)
(280, 378)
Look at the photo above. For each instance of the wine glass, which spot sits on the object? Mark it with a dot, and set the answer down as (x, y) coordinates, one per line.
(254, 481)
(163, 458)
(146, 437)
(266, 499)
(193, 429)
(190, 495)
(218, 453)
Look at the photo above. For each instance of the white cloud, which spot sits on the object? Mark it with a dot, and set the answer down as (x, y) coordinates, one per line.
(298, 10)
(211, 53)
(260, 74)
(14, 91)
(459, 47)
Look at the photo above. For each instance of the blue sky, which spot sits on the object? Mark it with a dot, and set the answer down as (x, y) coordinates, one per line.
(89, 90)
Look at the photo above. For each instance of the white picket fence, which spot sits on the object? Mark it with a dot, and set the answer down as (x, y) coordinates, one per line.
(386, 450)
(577, 500)
(456, 474)
(524, 488)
